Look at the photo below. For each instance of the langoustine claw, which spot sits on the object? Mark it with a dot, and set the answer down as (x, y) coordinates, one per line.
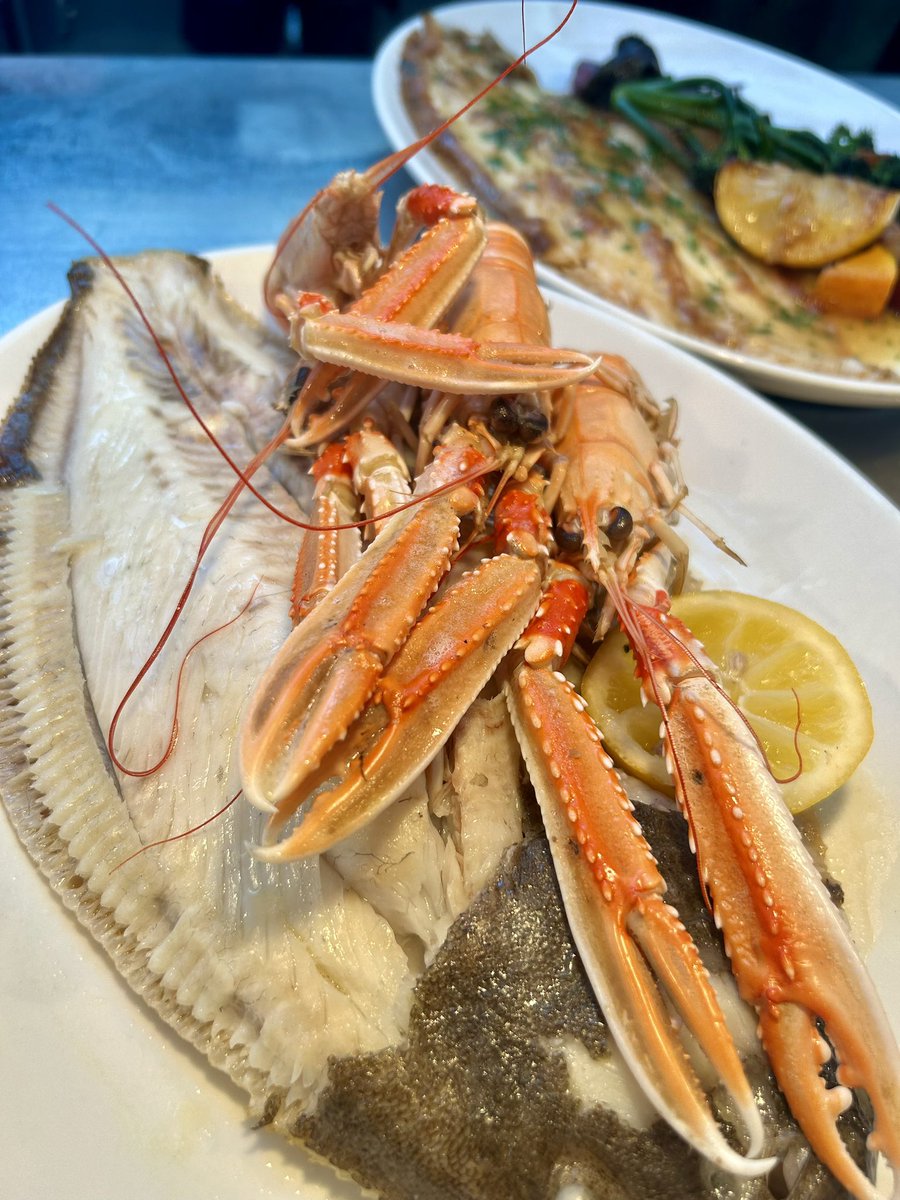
(332, 661)
(790, 953)
(789, 948)
(635, 950)
(449, 657)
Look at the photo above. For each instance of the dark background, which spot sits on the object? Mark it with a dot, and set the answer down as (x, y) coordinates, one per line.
(844, 35)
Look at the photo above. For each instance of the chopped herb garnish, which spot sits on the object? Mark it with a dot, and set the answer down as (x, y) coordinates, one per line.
(800, 318)
(517, 122)
(632, 185)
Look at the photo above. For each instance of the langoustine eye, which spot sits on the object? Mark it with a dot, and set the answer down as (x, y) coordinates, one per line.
(517, 419)
(620, 525)
(569, 537)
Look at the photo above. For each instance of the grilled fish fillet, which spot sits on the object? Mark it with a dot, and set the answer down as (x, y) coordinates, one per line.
(601, 208)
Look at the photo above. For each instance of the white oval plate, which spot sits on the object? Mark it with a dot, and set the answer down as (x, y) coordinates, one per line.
(104, 1099)
(778, 84)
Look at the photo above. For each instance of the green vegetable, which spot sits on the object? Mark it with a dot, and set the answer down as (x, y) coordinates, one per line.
(701, 123)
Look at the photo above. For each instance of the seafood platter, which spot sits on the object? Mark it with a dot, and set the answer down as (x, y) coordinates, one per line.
(295, 608)
(622, 215)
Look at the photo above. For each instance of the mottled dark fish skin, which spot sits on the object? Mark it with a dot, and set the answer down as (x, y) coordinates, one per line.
(477, 1104)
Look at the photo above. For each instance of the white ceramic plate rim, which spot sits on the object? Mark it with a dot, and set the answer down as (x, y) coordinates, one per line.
(82, 1055)
(777, 83)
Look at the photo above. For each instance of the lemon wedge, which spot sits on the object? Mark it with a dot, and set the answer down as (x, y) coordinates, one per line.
(793, 218)
(763, 651)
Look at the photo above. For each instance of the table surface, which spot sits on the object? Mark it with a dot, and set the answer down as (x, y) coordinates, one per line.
(203, 153)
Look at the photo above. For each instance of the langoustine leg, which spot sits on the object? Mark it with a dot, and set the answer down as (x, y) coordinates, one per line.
(790, 953)
(635, 950)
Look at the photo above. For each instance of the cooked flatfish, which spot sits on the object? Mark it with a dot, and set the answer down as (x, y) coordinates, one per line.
(410, 1005)
(604, 210)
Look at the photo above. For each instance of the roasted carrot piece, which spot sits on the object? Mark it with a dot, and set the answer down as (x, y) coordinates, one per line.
(858, 286)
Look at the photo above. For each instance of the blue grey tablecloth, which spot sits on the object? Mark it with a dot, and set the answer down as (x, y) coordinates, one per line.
(182, 152)
(199, 154)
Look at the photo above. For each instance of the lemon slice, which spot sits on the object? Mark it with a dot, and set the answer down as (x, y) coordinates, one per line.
(794, 218)
(763, 650)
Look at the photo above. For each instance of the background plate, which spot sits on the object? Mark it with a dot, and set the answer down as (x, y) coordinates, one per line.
(777, 83)
(105, 1100)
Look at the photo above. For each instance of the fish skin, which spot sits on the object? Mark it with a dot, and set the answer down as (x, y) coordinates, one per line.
(92, 559)
(455, 1085)
(482, 1073)
(609, 215)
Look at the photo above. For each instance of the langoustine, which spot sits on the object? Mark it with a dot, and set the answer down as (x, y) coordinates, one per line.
(363, 779)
